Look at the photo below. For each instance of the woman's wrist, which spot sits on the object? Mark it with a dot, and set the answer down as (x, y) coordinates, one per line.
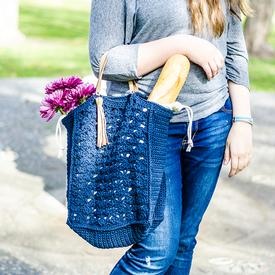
(243, 118)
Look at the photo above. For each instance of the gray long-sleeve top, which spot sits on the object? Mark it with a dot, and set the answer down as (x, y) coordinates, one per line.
(120, 26)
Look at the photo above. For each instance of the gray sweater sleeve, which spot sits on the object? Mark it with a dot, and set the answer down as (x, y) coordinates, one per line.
(111, 27)
(236, 60)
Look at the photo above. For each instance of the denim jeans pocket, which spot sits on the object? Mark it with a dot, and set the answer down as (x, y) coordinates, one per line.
(227, 107)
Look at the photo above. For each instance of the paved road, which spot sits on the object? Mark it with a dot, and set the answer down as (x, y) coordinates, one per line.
(236, 235)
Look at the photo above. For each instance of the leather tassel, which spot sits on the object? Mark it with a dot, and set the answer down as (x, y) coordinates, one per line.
(102, 138)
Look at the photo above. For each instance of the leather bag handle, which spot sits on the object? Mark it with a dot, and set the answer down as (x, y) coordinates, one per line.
(132, 84)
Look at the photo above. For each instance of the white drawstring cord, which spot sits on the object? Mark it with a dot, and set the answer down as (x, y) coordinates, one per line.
(189, 128)
(177, 106)
(58, 137)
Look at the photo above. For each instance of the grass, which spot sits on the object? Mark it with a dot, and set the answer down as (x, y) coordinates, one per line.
(271, 38)
(262, 74)
(46, 59)
(57, 44)
(53, 23)
(56, 40)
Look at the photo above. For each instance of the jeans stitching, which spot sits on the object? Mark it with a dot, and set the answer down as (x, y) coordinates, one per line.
(228, 111)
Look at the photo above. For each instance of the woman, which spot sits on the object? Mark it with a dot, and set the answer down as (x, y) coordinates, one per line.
(140, 36)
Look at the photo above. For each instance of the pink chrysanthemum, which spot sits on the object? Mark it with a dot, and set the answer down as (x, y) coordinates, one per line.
(76, 96)
(52, 103)
(64, 95)
(46, 110)
(87, 90)
(70, 82)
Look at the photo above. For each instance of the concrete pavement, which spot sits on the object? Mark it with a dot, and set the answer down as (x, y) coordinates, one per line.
(237, 235)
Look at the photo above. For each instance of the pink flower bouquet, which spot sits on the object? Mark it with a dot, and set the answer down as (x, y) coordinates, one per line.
(63, 95)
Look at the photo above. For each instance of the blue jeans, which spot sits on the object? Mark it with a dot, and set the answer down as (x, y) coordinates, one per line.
(191, 178)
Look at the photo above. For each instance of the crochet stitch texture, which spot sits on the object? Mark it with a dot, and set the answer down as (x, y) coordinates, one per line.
(116, 194)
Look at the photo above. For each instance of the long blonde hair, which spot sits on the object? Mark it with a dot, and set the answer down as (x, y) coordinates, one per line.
(209, 14)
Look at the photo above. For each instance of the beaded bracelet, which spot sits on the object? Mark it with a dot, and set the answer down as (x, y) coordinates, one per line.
(246, 119)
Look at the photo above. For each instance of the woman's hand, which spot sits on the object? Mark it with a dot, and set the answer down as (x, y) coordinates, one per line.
(205, 54)
(238, 147)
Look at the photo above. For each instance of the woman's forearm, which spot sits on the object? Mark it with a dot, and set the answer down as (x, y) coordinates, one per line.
(154, 54)
(240, 97)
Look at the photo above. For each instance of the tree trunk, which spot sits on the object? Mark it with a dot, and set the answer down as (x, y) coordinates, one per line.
(9, 32)
(258, 27)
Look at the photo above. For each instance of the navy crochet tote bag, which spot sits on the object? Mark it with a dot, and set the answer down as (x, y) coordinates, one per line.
(116, 192)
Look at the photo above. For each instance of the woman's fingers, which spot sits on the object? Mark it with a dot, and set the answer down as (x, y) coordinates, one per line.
(220, 62)
(215, 65)
(226, 157)
(239, 142)
(234, 165)
(239, 163)
(207, 70)
(242, 163)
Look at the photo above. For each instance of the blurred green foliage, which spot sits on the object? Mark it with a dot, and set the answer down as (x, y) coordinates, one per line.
(271, 38)
(53, 23)
(56, 40)
(57, 44)
(262, 74)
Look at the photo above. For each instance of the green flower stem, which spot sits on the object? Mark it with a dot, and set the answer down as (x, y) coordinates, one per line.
(62, 112)
(82, 100)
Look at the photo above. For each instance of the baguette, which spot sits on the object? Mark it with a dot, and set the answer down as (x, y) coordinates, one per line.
(171, 80)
